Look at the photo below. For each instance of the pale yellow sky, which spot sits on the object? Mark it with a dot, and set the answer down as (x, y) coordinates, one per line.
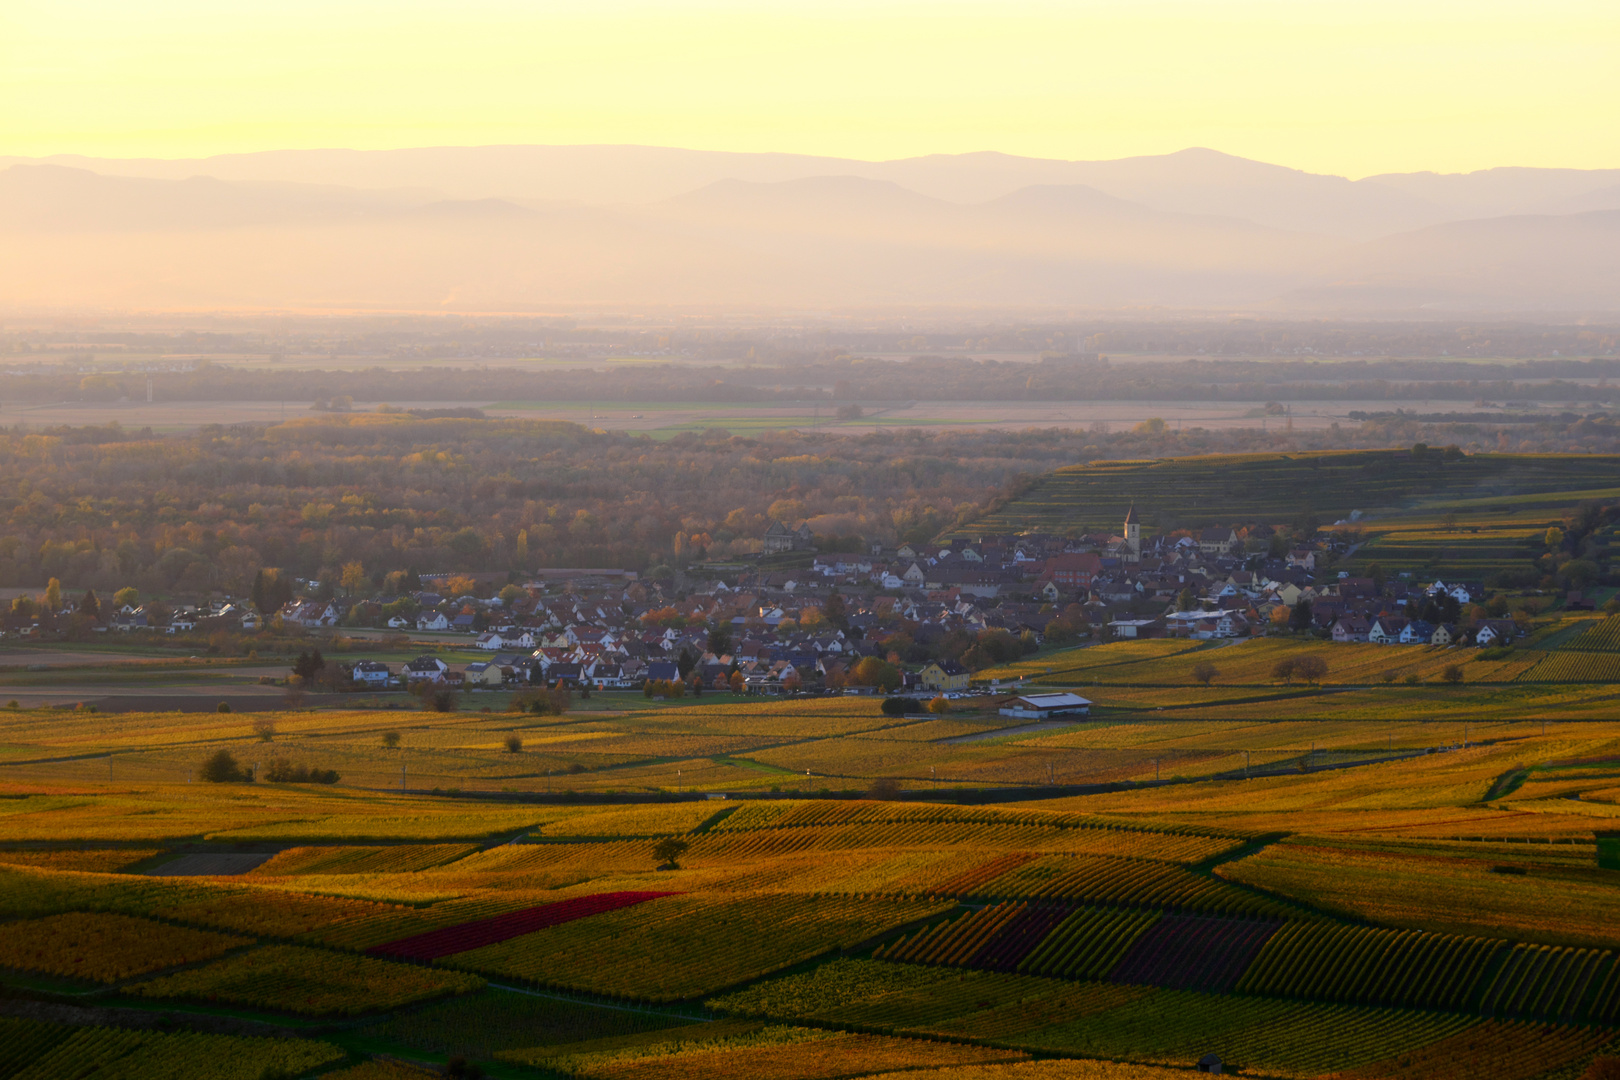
(1349, 86)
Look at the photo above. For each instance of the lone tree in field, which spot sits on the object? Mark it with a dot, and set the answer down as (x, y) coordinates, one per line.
(1452, 674)
(391, 739)
(265, 729)
(1203, 672)
(221, 768)
(667, 850)
(1284, 669)
(514, 743)
(1313, 669)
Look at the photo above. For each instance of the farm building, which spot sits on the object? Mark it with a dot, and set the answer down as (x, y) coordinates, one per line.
(1046, 706)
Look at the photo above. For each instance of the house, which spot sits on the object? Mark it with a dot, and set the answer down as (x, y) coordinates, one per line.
(663, 671)
(1495, 632)
(425, 669)
(1046, 706)
(779, 537)
(1386, 629)
(372, 673)
(484, 673)
(610, 677)
(1074, 571)
(1217, 541)
(432, 620)
(1302, 558)
(398, 622)
(944, 675)
(915, 576)
(490, 641)
(1349, 629)
(310, 613)
(1445, 635)
(1137, 628)
(1417, 632)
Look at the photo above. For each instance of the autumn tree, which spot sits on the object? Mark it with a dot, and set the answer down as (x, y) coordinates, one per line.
(353, 578)
(668, 850)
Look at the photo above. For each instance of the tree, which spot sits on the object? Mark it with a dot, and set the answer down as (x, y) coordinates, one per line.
(390, 739)
(128, 596)
(939, 705)
(1579, 573)
(308, 665)
(1311, 668)
(1453, 674)
(90, 606)
(1284, 669)
(53, 596)
(895, 706)
(719, 641)
(270, 592)
(1185, 600)
(514, 743)
(222, 768)
(264, 729)
(872, 671)
(223, 707)
(668, 850)
(354, 577)
(1203, 672)
(1299, 618)
(1554, 539)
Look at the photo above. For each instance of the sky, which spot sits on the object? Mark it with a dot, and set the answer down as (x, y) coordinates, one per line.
(1352, 87)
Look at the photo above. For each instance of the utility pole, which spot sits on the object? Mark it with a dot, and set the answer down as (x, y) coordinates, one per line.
(1245, 764)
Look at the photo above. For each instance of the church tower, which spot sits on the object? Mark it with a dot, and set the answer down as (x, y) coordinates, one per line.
(1133, 536)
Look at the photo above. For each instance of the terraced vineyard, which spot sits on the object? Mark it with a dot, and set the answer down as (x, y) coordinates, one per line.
(1221, 489)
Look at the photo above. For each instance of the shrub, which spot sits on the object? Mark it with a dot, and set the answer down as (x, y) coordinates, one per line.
(222, 768)
(514, 743)
(1203, 672)
(222, 707)
(265, 729)
(391, 739)
(281, 771)
(1452, 674)
(896, 706)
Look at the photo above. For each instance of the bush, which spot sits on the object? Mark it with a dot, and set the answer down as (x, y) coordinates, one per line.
(1203, 672)
(223, 706)
(514, 743)
(391, 739)
(265, 729)
(896, 706)
(222, 768)
(1452, 674)
(280, 771)
(885, 787)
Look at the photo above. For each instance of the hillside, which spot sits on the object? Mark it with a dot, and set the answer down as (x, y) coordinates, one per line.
(1231, 488)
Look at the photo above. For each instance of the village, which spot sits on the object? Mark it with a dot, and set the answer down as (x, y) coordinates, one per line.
(912, 619)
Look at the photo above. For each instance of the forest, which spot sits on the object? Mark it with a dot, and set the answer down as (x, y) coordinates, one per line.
(204, 511)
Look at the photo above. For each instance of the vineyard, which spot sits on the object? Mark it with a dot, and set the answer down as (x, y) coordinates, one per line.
(1439, 912)
(1221, 489)
(308, 982)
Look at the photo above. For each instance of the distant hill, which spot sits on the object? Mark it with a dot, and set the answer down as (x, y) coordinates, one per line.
(548, 228)
(1191, 181)
(1229, 489)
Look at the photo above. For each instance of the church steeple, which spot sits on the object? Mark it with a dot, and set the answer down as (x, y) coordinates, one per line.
(1133, 535)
